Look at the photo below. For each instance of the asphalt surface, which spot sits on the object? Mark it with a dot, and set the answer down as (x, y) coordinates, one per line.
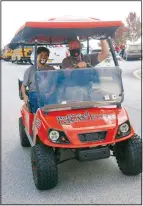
(96, 182)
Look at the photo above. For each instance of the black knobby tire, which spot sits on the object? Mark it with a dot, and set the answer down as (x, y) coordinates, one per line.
(128, 156)
(44, 167)
(23, 137)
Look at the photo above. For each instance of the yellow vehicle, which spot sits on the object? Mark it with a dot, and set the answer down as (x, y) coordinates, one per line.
(1, 54)
(7, 54)
(21, 54)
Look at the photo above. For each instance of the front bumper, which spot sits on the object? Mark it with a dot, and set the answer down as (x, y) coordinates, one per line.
(92, 154)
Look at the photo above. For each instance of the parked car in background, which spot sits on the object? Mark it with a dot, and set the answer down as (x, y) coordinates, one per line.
(132, 51)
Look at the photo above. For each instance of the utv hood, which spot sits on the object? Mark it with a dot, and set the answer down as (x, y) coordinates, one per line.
(93, 119)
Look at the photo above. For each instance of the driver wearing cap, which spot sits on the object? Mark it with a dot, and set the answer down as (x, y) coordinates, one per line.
(77, 59)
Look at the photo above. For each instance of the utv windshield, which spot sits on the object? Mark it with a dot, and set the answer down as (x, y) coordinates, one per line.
(89, 86)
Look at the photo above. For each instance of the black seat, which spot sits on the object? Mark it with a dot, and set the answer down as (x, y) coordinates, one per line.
(21, 96)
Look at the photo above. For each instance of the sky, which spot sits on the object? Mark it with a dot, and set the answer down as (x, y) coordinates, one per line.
(15, 14)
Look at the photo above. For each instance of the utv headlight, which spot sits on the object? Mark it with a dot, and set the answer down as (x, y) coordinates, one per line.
(54, 135)
(124, 128)
(58, 137)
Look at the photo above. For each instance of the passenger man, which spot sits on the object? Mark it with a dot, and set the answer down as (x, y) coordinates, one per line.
(29, 77)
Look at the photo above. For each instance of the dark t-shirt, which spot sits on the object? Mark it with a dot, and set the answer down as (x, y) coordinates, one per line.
(70, 62)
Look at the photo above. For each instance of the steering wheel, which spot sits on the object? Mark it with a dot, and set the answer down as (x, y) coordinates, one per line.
(88, 65)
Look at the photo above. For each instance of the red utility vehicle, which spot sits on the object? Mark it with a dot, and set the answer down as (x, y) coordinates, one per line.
(84, 114)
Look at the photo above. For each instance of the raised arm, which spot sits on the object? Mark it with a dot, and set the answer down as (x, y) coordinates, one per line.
(104, 51)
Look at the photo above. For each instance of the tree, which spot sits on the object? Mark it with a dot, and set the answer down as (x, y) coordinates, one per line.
(120, 35)
(134, 27)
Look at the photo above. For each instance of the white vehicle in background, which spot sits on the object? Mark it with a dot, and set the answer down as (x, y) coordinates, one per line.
(57, 54)
(84, 50)
(132, 51)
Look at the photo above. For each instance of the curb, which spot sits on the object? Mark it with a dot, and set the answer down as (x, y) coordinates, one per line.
(137, 73)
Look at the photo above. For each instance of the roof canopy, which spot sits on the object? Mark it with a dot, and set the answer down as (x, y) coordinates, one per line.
(60, 30)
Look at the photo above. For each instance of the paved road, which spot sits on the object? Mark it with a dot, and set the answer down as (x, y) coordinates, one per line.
(98, 182)
(132, 88)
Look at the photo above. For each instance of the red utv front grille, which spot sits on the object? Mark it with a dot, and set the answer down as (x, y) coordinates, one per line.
(92, 137)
